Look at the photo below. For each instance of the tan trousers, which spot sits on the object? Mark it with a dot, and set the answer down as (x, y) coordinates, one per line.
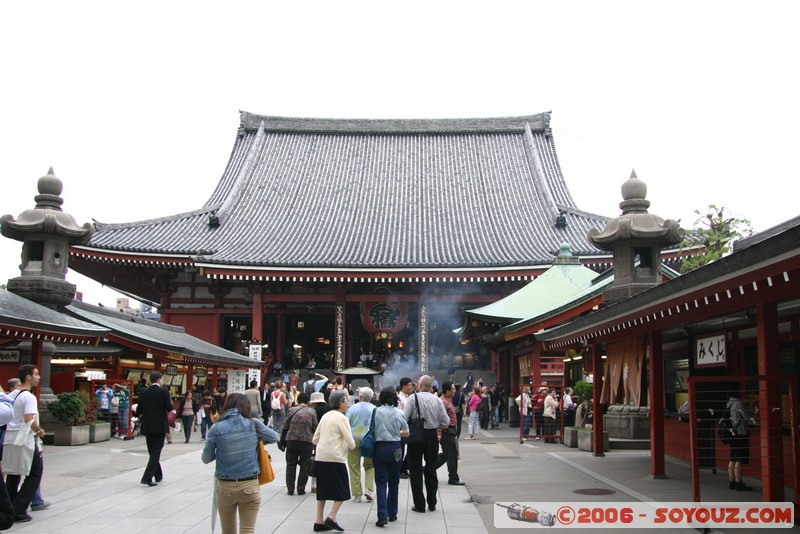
(354, 465)
(242, 496)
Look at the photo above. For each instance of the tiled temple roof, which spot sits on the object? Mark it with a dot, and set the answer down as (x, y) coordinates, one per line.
(154, 335)
(361, 194)
(21, 318)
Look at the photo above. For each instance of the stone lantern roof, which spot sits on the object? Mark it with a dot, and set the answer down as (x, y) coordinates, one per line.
(636, 222)
(47, 217)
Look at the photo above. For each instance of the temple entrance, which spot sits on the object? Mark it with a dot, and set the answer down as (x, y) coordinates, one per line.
(308, 337)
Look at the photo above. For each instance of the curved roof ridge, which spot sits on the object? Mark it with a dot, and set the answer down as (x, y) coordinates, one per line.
(253, 121)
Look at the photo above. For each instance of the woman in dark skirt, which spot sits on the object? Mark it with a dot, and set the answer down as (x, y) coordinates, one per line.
(334, 440)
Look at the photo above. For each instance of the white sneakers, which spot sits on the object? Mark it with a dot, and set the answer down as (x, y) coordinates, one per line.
(366, 497)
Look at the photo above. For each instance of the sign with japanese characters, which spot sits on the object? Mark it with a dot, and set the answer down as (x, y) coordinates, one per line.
(237, 381)
(254, 374)
(9, 356)
(710, 351)
(390, 317)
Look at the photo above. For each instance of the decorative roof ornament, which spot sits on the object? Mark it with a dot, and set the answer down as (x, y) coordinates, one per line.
(565, 256)
(636, 222)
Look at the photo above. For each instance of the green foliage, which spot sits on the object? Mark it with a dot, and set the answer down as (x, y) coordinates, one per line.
(69, 409)
(89, 405)
(715, 230)
(583, 391)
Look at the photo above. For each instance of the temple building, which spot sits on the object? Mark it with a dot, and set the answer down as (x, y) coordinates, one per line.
(334, 239)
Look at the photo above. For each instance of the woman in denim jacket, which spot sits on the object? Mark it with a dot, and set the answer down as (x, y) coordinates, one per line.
(232, 441)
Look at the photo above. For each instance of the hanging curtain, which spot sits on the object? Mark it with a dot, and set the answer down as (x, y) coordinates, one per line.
(623, 377)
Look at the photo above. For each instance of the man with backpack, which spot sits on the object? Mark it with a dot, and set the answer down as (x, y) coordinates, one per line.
(278, 403)
(740, 411)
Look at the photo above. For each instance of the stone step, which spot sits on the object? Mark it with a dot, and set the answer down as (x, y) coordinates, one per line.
(629, 444)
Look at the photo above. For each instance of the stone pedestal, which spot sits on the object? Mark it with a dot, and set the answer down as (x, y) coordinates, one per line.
(99, 432)
(571, 436)
(71, 435)
(585, 441)
(627, 422)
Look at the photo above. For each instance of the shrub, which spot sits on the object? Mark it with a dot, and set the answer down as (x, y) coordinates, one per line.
(582, 390)
(69, 409)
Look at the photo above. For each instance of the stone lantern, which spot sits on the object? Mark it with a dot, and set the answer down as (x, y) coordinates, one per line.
(46, 233)
(636, 238)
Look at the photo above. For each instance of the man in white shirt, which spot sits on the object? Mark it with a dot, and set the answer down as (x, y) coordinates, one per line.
(428, 406)
(406, 387)
(26, 413)
(569, 408)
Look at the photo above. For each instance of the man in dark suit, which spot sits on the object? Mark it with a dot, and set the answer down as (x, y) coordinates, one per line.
(154, 404)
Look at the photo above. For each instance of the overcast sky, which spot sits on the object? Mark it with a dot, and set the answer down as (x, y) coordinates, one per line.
(137, 108)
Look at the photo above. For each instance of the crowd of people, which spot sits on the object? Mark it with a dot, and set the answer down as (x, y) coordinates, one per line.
(319, 423)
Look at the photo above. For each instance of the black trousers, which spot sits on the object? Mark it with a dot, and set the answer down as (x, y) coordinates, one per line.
(7, 512)
(298, 453)
(538, 416)
(155, 442)
(449, 455)
(22, 496)
(426, 451)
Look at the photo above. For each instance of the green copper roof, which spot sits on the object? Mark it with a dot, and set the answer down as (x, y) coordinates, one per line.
(563, 281)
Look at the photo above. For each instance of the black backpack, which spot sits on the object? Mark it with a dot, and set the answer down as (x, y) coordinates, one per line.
(725, 431)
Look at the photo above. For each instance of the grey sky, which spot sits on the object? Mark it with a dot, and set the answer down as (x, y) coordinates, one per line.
(136, 107)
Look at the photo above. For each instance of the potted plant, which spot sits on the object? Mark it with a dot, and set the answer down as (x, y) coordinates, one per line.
(70, 411)
(99, 430)
(571, 436)
(586, 440)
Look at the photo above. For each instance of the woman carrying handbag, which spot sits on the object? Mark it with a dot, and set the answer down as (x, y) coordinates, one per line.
(232, 443)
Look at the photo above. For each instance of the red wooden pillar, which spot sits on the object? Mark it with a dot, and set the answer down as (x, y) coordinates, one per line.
(536, 364)
(656, 380)
(769, 404)
(597, 435)
(278, 352)
(258, 322)
(258, 314)
(190, 377)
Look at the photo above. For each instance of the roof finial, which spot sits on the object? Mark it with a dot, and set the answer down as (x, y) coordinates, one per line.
(634, 194)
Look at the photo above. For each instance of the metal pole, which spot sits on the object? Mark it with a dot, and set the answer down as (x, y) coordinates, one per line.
(695, 452)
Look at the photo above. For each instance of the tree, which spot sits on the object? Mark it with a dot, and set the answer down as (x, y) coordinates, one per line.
(714, 230)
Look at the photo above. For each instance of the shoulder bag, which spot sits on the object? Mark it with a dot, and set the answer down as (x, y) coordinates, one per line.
(367, 446)
(267, 474)
(416, 425)
(285, 430)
